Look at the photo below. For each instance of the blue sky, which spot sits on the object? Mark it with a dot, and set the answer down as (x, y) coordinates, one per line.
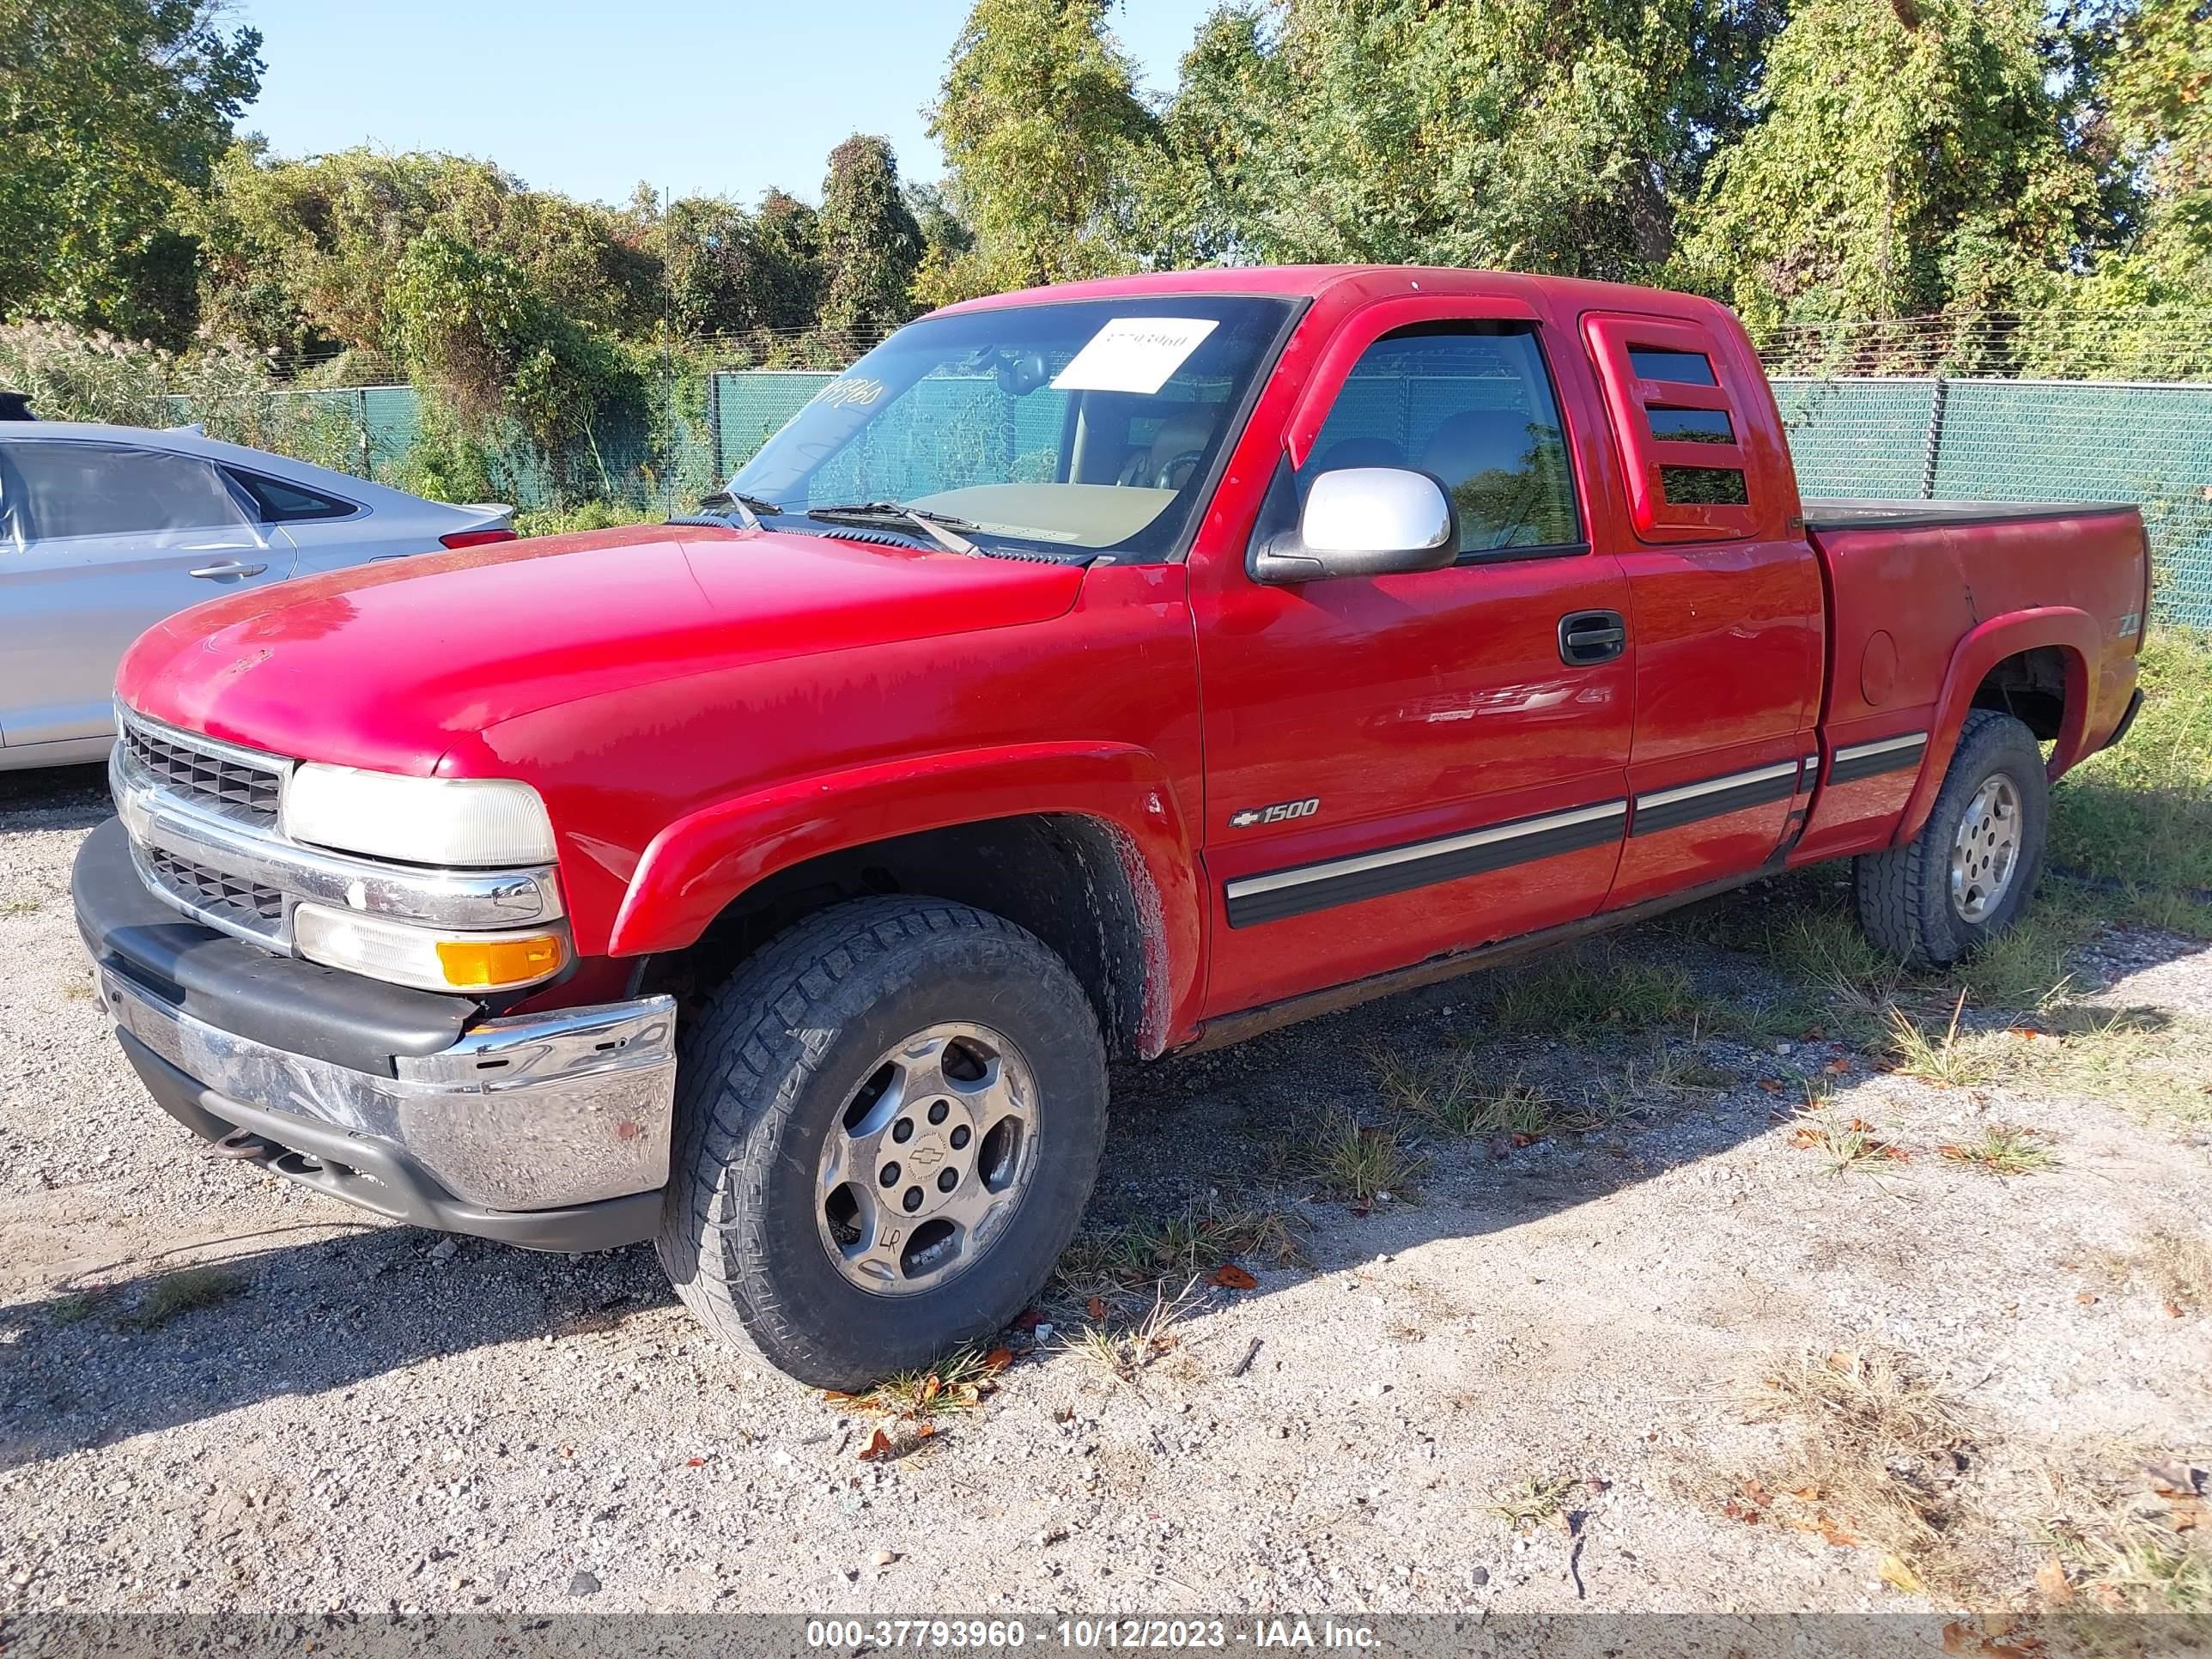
(590, 99)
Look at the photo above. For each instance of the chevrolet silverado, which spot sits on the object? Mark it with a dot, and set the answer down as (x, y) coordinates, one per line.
(1094, 672)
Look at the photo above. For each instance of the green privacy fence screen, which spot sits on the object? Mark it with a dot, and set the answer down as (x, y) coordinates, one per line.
(2024, 441)
(1987, 439)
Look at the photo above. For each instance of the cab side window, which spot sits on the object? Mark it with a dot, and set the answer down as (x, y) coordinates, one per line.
(1471, 405)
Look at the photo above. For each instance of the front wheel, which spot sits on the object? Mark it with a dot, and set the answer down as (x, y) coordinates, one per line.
(889, 1122)
(1968, 874)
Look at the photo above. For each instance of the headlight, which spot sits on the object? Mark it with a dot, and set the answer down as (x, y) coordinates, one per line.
(424, 958)
(467, 822)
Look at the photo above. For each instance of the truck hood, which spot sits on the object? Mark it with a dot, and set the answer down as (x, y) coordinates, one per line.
(386, 665)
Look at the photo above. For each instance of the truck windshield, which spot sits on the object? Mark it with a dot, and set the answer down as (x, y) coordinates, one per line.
(1081, 428)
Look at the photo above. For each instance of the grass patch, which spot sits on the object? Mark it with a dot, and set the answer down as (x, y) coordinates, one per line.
(2176, 1267)
(2167, 909)
(1837, 984)
(79, 1306)
(1696, 1075)
(1457, 1095)
(1947, 1059)
(1846, 1144)
(2155, 1067)
(1124, 1353)
(1528, 1506)
(1462, 1096)
(1579, 995)
(1882, 1453)
(959, 1382)
(2025, 970)
(2004, 1149)
(1192, 1242)
(2145, 1553)
(2140, 814)
(1671, 1071)
(1361, 1162)
(1825, 949)
(18, 907)
(188, 1290)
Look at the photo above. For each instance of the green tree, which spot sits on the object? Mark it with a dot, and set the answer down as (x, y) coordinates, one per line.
(729, 273)
(1042, 128)
(1907, 160)
(2159, 87)
(300, 255)
(945, 235)
(871, 243)
(2135, 308)
(110, 110)
(1520, 133)
(473, 327)
(1201, 192)
(785, 285)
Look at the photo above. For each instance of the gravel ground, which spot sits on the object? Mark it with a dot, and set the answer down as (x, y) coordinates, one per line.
(379, 1419)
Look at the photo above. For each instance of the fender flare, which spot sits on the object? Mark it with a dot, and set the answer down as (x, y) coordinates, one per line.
(698, 865)
(2078, 640)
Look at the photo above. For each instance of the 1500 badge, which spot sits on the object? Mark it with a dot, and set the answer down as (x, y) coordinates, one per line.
(1281, 812)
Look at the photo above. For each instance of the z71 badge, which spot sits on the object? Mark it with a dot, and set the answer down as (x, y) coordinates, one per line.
(1281, 812)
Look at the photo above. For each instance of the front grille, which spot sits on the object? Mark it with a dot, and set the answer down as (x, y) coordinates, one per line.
(261, 909)
(247, 792)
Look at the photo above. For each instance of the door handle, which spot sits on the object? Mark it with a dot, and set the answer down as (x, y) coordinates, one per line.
(215, 572)
(1592, 636)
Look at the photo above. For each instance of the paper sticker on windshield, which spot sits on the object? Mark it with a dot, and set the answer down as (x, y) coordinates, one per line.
(1133, 354)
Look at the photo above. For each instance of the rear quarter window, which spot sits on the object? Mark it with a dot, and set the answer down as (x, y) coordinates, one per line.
(282, 503)
(1679, 403)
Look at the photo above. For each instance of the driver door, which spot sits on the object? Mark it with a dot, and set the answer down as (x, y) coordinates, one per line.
(1404, 765)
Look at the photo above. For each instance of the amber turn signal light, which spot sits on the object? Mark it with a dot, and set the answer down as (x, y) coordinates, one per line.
(486, 964)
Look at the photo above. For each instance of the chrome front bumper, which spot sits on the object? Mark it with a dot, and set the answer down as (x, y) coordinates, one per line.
(533, 1112)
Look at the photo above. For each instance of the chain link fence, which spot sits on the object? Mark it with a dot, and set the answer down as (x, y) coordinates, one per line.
(2023, 441)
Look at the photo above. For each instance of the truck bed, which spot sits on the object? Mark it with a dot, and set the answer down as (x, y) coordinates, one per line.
(1849, 513)
(1912, 582)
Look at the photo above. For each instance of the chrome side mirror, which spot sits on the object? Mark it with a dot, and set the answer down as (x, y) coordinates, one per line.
(1365, 521)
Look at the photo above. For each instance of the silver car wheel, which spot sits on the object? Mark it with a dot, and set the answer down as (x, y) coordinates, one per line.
(1986, 850)
(928, 1161)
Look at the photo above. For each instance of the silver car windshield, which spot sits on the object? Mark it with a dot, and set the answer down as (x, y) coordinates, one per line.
(1081, 428)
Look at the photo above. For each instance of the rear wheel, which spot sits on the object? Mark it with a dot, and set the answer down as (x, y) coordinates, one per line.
(889, 1122)
(1968, 874)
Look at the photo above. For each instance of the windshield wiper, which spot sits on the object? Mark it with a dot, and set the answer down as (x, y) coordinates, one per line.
(939, 527)
(751, 508)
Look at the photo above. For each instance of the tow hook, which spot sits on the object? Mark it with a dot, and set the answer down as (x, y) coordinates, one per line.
(243, 1144)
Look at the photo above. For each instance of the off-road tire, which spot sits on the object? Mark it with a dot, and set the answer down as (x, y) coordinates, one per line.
(765, 1073)
(1903, 895)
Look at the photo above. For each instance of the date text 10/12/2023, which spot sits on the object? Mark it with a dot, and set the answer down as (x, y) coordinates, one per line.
(1080, 1634)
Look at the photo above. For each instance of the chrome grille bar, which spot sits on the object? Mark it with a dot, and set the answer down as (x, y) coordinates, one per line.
(237, 783)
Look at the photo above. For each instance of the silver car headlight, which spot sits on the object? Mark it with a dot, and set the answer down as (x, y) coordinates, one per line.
(463, 823)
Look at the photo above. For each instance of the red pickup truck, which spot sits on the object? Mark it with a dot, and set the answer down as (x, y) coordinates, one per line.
(1088, 672)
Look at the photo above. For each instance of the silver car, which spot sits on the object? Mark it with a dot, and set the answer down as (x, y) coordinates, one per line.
(104, 530)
